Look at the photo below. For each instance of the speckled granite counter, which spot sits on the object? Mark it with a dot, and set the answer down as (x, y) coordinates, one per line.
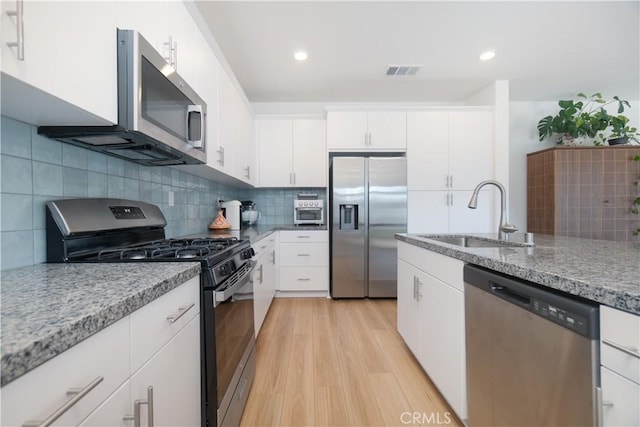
(598, 270)
(48, 308)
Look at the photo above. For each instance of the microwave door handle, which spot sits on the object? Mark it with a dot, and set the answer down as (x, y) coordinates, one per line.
(195, 109)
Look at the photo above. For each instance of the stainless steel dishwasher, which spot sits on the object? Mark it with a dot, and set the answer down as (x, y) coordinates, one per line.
(532, 354)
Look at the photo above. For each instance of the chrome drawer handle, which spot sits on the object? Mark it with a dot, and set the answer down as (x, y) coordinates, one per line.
(78, 395)
(301, 279)
(304, 237)
(181, 311)
(631, 351)
(304, 255)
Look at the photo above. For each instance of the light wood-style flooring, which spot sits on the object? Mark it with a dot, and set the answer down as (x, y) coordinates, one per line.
(323, 362)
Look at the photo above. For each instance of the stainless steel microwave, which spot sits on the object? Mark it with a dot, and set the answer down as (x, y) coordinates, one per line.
(161, 119)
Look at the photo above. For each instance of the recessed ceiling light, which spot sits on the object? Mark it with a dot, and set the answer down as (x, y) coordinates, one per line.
(489, 54)
(301, 55)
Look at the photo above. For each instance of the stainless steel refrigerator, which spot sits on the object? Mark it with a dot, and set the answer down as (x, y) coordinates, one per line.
(368, 201)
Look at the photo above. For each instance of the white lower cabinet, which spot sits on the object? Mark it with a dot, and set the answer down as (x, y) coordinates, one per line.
(620, 370)
(304, 261)
(171, 367)
(431, 319)
(264, 278)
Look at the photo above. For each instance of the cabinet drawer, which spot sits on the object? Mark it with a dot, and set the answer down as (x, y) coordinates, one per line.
(262, 247)
(620, 400)
(618, 331)
(442, 267)
(304, 254)
(304, 236)
(304, 278)
(150, 326)
(39, 393)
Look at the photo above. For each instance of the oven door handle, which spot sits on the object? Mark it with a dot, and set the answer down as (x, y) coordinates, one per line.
(223, 295)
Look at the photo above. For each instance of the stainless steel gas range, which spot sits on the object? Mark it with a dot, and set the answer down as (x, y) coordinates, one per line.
(116, 230)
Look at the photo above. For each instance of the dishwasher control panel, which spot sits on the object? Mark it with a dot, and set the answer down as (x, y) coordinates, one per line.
(561, 316)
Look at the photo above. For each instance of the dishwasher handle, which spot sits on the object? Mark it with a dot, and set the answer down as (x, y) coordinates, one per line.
(510, 295)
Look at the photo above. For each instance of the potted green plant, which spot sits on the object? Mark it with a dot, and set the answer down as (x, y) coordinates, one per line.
(579, 119)
(621, 132)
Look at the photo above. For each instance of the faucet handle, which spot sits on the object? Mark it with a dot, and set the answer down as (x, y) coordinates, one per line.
(508, 228)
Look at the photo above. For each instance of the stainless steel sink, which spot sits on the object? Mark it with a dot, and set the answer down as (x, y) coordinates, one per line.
(471, 241)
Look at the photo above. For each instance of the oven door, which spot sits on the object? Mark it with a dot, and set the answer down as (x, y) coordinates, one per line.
(308, 215)
(234, 333)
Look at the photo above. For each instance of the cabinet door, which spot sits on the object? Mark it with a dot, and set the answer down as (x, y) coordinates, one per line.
(427, 212)
(275, 148)
(208, 87)
(174, 374)
(309, 153)
(259, 293)
(226, 136)
(483, 219)
(427, 150)
(387, 130)
(112, 412)
(56, 48)
(470, 148)
(182, 30)
(624, 396)
(150, 19)
(442, 341)
(409, 306)
(244, 142)
(346, 130)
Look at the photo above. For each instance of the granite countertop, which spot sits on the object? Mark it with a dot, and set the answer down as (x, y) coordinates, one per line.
(48, 308)
(598, 270)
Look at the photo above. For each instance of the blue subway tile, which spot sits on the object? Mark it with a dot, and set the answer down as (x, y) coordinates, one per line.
(45, 149)
(16, 249)
(74, 157)
(16, 138)
(116, 186)
(39, 211)
(167, 178)
(98, 184)
(156, 175)
(16, 175)
(39, 246)
(131, 189)
(97, 162)
(17, 212)
(145, 173)
(144, 188)
(47, 179)
(131, 170)
(75, 182)
(115, 166)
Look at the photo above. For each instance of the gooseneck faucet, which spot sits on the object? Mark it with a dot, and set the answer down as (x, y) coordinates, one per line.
(504, 228)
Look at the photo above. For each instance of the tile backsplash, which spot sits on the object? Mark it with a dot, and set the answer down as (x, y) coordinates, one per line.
(35, 169)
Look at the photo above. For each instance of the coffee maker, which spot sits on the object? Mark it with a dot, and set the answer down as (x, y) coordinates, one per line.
(232, 212)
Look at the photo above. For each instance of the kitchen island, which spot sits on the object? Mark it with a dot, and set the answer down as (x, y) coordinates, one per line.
(603, 271)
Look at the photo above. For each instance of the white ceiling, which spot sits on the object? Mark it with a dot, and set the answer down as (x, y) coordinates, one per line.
(547, 50)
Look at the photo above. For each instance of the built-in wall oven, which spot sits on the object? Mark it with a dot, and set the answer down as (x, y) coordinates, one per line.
(116, 230)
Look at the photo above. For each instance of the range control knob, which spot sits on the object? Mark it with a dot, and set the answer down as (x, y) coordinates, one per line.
(223, 270)
(248, 254)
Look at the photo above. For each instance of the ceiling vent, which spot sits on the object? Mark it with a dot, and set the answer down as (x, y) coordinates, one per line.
(403, 70)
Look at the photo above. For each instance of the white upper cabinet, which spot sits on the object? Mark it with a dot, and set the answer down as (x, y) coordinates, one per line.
(69, 52)
(309, 153)
(244, 158)
(370, 131)
(292, 153)
(449, 150)
(275, 148)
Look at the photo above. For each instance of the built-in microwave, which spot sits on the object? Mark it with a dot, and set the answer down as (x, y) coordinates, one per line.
(161, 119)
